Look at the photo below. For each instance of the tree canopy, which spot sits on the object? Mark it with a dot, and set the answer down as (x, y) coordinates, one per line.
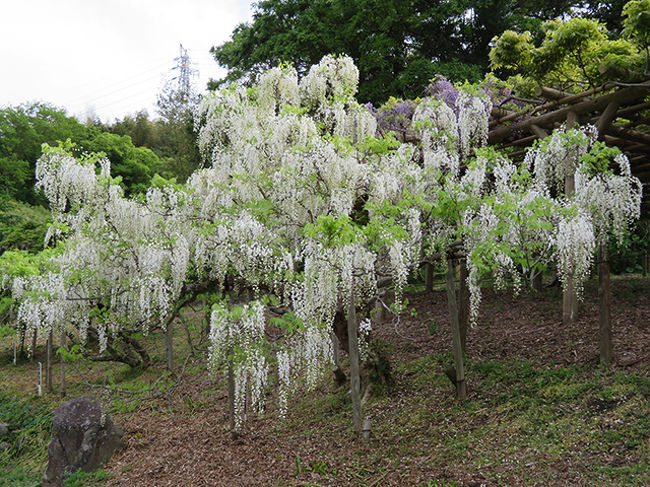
(579, 52)
(398, 46)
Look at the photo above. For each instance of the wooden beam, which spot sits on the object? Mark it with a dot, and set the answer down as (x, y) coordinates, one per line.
(625, 145)
(634, 108)
(608, 115)
(639, 158)
(551, 93)
(571, 119)
(628, 134)
(538, 131)
(522, 141)
(573, 98)
(622, 96)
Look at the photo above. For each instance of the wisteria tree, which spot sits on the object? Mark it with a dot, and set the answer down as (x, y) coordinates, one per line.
(316, 213)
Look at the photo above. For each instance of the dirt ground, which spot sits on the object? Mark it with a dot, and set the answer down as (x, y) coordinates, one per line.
(186, 442)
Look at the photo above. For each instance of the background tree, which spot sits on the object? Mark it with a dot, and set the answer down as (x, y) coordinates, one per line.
(398, 46)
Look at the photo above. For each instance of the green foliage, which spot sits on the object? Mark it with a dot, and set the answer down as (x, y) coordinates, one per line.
(625, 255)
(636, 22)
(398, 46)
(22, 226)
(599, 158)
(136, 165)
(578, 51)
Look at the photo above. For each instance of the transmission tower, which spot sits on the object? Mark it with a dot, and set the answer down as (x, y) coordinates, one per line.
(185, 72)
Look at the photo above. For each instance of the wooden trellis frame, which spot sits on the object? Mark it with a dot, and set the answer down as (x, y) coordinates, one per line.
(620, 112)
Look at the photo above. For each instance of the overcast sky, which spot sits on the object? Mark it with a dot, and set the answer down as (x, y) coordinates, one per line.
(107, 57)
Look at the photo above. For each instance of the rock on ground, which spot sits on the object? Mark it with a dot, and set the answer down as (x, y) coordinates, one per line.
(83, 438)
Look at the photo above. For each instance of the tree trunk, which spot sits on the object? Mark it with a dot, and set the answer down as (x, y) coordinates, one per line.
(231, 399)
(48, 363)
(570, 305)
(537, 282)
(339, 375)
(461, 390)
(355, 377)
(428, 277)
(604, 299)
(378, 314)
(169, 345)
(463, 304)
(23, 335)
(644, 264)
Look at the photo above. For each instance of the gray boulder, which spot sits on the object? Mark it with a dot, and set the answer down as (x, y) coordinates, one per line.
(4, 429)
(83, 437)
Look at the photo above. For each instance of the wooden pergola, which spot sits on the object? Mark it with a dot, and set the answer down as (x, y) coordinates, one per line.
(620, 112)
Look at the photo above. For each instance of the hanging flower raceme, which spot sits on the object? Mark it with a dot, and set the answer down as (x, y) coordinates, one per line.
(558, 155)
(237, 338)
(575, 243)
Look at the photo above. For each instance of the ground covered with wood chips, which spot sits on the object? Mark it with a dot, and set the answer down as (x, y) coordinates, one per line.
(540, 409)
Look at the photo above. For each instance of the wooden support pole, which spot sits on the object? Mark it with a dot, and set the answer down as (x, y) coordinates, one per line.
(34, 338)
(463, 304)
(428, 277)
(629, 135)
(62, 363)
(48, 363)
(608, 115)
(40, 379)
(604, 305)
(231, 399)
(569, 296)
(538, 131)
(355, 376)
(461, 389)
(551, 93)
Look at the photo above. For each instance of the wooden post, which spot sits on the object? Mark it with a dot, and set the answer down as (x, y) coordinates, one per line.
(23, 332)
(461, 390)
(40, 379)
(604, 300)
(34, 337)
(169, 345)
(463, 304)
(62, 364)
(355, 377)
(570, 305)
(231, 398)
(48, 363)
